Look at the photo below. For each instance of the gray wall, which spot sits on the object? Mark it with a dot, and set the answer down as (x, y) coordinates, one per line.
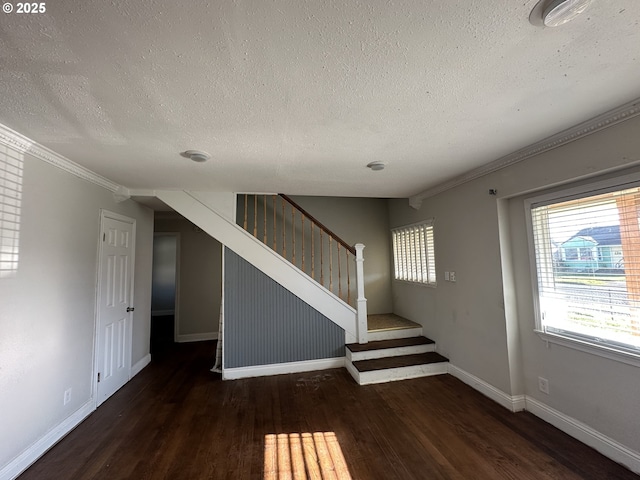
(200, 270)
(47, 311)
(265, 324)
(484, 322)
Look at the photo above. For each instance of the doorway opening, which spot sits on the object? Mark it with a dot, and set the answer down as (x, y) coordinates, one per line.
(164, 291)
(186, 284)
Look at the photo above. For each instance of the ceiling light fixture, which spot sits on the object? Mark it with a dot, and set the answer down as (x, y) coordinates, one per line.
(196, 155)
(553, 13)
(376, 166)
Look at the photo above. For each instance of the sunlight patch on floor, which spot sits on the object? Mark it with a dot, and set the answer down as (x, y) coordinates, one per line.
(301, 456)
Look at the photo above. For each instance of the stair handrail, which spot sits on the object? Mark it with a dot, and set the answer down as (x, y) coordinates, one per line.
(318, 223)
(258, 223)
(356, 251)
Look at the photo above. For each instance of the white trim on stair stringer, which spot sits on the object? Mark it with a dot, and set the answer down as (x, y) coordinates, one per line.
(515, 403)
(584, 433)
(282, 368)
(19, 464)
(589, 436)
(262, 257)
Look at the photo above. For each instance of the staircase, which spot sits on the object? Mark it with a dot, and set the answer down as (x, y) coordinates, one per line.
(212, 218)
(396, 350)
(290, 246)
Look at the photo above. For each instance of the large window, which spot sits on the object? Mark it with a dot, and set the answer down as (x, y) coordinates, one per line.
(413, 255)
(586, 248)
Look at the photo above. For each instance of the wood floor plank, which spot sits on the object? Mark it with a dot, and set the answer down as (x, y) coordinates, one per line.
(177, 420)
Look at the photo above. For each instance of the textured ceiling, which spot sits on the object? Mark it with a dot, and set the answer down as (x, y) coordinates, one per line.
(298, 96)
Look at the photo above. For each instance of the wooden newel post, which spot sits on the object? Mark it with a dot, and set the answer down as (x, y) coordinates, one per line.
(361, 302)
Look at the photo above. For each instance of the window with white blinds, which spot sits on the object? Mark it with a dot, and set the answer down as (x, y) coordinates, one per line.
(10, 200)
(587, 264)
(413, 253)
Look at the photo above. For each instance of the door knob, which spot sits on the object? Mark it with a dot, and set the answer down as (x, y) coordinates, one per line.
(130, 309)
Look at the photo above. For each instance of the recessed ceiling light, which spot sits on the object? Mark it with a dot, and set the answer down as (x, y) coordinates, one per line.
(376, 166)
(553, 13)
(196, 155)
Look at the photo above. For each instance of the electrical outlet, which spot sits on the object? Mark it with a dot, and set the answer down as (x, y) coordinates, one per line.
(452, 276)
(67, 396)
(543, 385)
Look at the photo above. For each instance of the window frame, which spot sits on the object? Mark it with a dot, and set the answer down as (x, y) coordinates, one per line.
(428, 224)
(585, 190)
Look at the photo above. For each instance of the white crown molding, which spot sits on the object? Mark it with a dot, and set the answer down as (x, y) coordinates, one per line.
(22, 144)
(606, 120)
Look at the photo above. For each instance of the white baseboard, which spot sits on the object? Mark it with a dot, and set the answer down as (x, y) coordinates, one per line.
(514, 403)
(587, 435)
(137, 368)
(197, 337)
(282, 368)
(44, 443)
(578, 430)
(162, 313)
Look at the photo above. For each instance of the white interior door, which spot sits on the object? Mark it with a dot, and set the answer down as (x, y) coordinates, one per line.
(115, 305)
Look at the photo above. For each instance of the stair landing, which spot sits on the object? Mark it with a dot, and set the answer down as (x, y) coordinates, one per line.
(386, 326)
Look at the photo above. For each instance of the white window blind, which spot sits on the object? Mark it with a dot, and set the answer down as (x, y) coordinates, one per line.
(413, 253)
(587, 256)
(10, 200)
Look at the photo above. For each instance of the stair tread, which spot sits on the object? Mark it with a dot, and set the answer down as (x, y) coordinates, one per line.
(394, 343)
(401, 361)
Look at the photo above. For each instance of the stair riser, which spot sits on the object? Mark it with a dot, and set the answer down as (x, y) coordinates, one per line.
(390, 352)
(353, 371)
(394, 334)
(400, 373)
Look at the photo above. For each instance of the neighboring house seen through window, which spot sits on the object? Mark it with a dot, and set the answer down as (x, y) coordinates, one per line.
(586, 248)
(413, 254)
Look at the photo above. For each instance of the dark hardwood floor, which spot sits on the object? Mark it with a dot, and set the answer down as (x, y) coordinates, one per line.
(177, 420)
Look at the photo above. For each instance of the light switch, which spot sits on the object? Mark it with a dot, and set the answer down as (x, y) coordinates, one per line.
(446, 276)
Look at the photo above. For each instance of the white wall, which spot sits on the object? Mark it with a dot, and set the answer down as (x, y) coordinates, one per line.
(467, 318)
(47, 318)
(360, 220)
(200, 285)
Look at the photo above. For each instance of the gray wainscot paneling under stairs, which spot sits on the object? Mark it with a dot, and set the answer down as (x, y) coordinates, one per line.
(266, 324)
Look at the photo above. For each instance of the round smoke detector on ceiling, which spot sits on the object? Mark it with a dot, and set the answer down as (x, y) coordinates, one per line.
(553, 13)
(196, 155)
(376, 166)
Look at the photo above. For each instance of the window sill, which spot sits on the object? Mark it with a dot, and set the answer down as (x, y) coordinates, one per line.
(592, 348)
